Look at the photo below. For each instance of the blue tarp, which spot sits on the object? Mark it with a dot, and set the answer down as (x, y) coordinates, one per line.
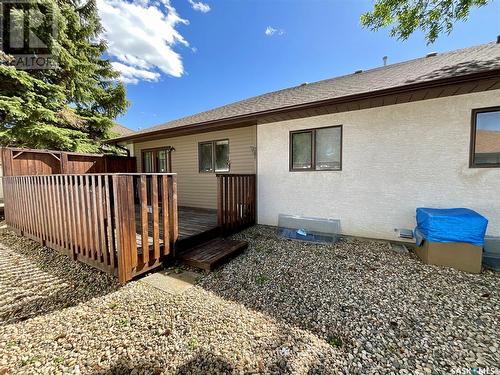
(450, 225)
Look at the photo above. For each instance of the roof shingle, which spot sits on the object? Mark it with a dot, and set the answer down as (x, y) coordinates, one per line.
(445, 65)
(120, 130)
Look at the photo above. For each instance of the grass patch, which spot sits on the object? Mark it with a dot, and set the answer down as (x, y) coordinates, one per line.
(335, 341)
(261, 279)
(11, 344)
(59, 359)
(113, 305)
(124, 322)
(29, 361)
(193, 344)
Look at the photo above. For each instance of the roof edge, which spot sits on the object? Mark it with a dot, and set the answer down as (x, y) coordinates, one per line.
(235, 120)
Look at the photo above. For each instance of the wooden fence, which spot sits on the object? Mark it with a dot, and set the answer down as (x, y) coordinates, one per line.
(23, 162)
(93, 217)
(236, 198)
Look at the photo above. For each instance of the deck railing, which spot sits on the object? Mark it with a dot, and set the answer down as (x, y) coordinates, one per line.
(92, 217)
(236, 197)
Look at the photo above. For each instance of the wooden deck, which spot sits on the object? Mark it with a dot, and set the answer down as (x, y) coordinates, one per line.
(103, 219)
(192, 222)
(199, 244)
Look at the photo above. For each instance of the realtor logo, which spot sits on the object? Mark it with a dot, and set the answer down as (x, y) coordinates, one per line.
(27, 29)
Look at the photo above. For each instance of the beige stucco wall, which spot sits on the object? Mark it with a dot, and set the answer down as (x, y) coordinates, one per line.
(200, 189)
(395, 158)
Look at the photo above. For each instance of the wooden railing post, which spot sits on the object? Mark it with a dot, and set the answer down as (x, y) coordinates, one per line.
(7, 198)
(220, 198)
(64, 163)
(174, 216)
(253, 199)
(7, 158)
(165, 212)
(123, 189)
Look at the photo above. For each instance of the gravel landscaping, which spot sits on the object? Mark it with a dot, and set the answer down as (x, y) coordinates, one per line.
(35, 280)
(280, 307)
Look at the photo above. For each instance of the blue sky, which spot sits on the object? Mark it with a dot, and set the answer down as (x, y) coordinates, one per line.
(223, 54)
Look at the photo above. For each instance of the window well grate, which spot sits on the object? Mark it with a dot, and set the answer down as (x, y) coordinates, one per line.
(309, 229)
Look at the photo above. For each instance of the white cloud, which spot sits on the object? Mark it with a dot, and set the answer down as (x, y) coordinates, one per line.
(199, 6)
(141, 36)
(130, 74)
(272, 31)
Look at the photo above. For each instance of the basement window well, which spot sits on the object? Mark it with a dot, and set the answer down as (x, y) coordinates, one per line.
(309, 229)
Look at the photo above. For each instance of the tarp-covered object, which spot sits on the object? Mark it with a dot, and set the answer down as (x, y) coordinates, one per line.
(451, 225)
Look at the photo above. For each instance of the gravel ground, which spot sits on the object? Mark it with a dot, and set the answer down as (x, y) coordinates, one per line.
(385, 310)
(281, 307)
(35, 280)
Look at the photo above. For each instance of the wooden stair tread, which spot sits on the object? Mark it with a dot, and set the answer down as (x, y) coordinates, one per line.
(210, 254)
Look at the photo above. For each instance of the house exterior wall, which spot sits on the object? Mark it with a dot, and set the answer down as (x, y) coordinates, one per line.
(195, 189)
(395, 158)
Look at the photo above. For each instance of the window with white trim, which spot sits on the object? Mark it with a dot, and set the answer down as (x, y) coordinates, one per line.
(213, 156)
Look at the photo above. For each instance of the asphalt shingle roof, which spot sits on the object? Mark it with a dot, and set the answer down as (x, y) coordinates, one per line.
(121, 130)
(444, 65)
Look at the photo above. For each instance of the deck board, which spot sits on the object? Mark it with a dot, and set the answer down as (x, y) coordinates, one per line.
(192, 221)
(211, 254)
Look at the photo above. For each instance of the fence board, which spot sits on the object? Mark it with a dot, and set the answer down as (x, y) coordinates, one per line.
(156, 218)
(23, 162)
(144, 219)
(174, 213)
(102, 243)
(82, 215)
(69, 216)
(109, 224)
(78, 222)
(48, 209)
(39, 205)
(95, 226)
(165, 214)
(235, 201)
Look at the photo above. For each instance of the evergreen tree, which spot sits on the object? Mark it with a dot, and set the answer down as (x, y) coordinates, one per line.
(71, 107)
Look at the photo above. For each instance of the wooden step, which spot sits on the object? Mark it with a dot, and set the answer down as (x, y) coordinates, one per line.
(188, 243)
(213, 253)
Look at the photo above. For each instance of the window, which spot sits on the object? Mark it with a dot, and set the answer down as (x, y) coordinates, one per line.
(316, 149)
(205, 151)
(147, 160)
(156, 160)
(213, 156)
(485, 138)
(302, 150)
(162, 161)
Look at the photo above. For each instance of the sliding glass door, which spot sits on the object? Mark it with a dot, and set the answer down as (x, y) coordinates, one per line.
(157, 160)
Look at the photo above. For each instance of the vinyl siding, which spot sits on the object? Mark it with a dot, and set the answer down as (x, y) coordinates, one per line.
(196, 189)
